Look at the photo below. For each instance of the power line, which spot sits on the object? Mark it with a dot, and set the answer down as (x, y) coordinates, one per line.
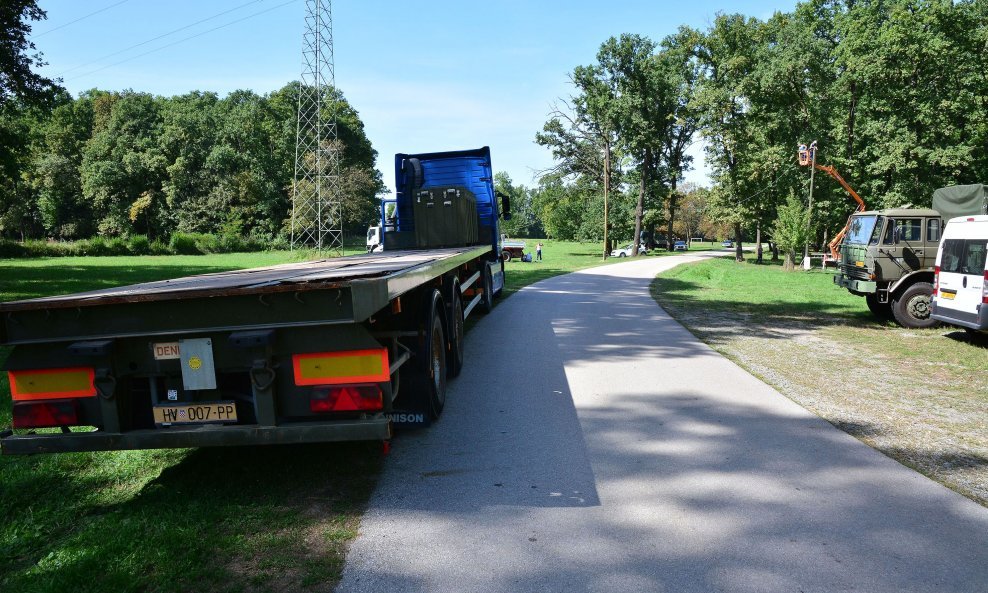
(184, 39)
(82, 18)
(190, 25)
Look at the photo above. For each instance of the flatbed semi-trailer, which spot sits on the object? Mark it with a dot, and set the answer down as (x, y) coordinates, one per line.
(326, 350)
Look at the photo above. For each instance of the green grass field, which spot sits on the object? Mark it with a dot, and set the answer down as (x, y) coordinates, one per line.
(239, 519)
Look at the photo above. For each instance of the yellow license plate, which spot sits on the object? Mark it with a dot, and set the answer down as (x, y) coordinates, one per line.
(948, 295)
(204, 413)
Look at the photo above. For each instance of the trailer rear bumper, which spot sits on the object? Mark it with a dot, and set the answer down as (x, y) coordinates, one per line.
(372, 429)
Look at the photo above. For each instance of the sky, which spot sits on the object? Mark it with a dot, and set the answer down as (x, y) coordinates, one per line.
(424, 76)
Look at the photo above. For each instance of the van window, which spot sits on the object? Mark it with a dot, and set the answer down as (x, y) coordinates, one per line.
(964, 256)
(933, 230)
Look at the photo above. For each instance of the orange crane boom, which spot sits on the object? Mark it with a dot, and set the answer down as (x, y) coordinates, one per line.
(807, 156)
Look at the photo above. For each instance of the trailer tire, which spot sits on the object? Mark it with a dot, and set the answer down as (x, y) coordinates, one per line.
(506, 255)
(454, 358)
(882, 311)
(487, 300)
(911, 309)
(429, 378)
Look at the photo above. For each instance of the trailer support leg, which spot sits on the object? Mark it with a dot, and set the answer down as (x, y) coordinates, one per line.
(262, 386)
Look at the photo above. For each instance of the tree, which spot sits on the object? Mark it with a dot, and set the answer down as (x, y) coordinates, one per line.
(644, 106)
(790, 230)
(17, 80)
(727, 54)
(679, 52)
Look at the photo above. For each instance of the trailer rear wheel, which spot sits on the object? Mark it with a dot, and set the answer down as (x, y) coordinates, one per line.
(911, 309)
(454, 362)
(487, 300)
(429, 378)
(505, 255)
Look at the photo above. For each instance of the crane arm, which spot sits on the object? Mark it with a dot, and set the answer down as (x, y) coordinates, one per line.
(835, 242)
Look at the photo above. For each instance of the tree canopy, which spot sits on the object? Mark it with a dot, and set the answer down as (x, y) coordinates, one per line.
(893, 92)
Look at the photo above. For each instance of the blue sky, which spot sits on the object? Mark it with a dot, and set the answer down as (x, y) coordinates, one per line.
(424, 76)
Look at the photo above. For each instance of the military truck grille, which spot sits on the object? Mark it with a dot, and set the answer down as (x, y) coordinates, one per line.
(852, 271)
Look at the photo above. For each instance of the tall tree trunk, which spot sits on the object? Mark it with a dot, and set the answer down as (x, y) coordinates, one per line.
(673, 198)
(738, 254)
(607, 188)
(640, 208)
(758, 243)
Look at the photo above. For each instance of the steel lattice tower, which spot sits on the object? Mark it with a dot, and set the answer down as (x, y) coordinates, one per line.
(317, 212)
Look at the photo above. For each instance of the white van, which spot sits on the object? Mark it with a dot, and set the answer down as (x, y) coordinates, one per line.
(961, 286)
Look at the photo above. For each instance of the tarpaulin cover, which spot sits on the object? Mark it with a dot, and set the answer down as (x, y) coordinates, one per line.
(961, 200)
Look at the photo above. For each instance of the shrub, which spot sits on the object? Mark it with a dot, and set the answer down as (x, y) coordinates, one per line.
(159, 247)
(184, 244)
(139, 245)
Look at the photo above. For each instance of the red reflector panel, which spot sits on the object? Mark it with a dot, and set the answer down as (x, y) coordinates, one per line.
(51, 384)
(335, 368)
(352, 398)
(45, 414)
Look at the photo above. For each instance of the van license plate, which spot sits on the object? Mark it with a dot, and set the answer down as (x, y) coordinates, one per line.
(204, 413)
(949, 295)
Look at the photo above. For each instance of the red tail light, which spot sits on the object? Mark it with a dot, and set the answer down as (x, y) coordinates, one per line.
(984, 290)
(348, 398)
(936, 280)
(45, 414)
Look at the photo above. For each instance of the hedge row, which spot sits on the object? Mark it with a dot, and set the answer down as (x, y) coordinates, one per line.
(178, 244)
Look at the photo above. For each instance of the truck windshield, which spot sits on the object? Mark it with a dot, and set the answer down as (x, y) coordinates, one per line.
(861, 229)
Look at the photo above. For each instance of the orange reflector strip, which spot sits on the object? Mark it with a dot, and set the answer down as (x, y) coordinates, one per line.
(334, 368)
(51, 384)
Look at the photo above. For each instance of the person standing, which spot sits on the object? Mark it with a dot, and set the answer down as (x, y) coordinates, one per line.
(538, 251)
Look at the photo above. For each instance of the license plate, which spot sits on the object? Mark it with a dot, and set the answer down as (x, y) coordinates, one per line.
(948, 295)
(204, 413)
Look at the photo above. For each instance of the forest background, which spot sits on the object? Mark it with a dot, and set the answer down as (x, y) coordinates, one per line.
(893, 91)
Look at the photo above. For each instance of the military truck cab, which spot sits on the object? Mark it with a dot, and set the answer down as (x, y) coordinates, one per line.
(887, 257)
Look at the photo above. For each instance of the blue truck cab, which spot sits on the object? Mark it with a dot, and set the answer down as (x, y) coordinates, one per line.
(446, 199)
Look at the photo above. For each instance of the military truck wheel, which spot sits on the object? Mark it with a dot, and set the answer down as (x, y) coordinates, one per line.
(882, 311)
(912, 308)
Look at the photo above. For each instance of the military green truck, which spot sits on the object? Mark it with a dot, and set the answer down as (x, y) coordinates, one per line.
(888, 256)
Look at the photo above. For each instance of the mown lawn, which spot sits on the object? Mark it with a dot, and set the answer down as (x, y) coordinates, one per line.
(239, 519)
(920, 396)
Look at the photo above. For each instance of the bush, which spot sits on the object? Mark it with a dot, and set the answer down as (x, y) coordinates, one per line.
(208, 243)
(179, 244)
(9, 249)
(184, 244)
(159, 247)
(139, 245)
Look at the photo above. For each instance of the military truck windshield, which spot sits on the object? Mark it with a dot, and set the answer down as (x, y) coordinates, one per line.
(861, 230)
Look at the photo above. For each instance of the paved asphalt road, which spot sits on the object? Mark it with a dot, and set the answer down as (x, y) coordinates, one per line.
(606, 449)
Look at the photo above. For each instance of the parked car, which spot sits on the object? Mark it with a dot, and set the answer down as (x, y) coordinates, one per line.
(626, 250)
(727, 243)
(679, 246)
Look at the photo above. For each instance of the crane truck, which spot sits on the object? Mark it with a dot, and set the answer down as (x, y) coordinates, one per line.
(330, 350)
